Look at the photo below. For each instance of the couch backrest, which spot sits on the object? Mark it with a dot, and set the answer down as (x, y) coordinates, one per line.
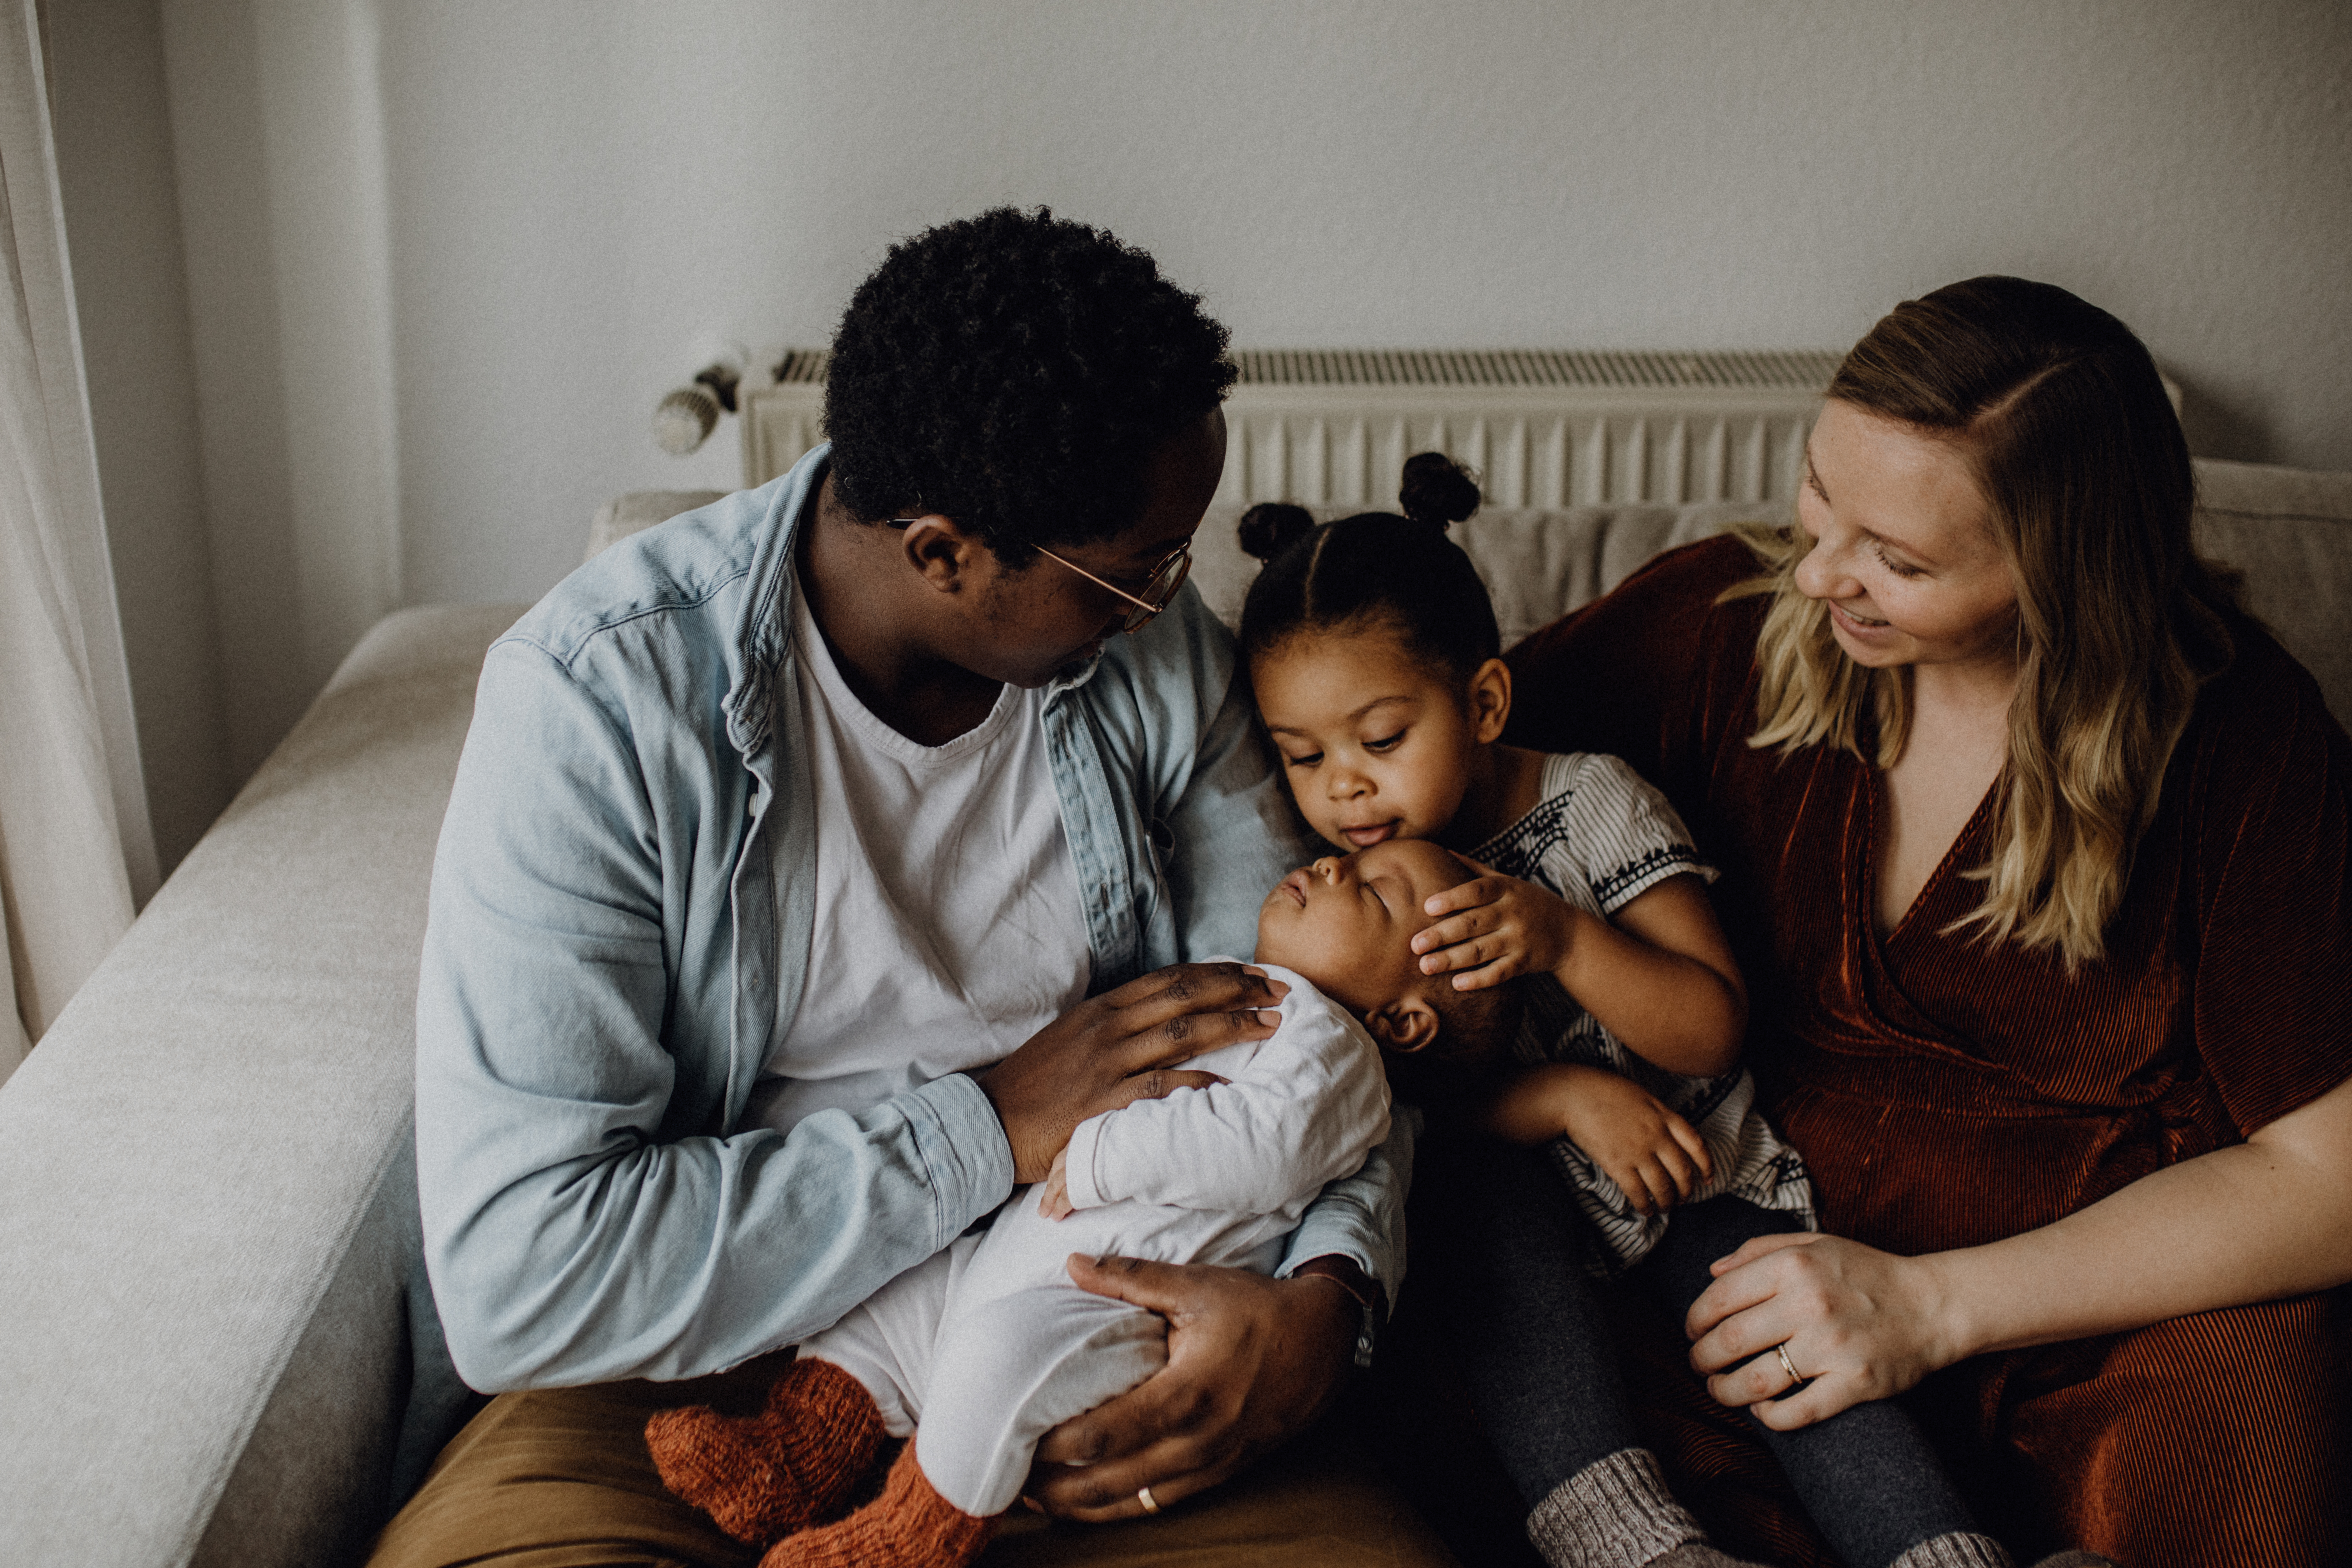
(2289, 530)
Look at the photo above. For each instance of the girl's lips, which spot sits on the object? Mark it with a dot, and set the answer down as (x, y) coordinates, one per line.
(1296, 886)
(1365, 838)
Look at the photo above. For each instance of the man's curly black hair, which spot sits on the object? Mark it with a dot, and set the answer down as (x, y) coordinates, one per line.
(1016, 371)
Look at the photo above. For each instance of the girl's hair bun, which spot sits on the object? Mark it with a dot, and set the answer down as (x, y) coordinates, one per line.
(1271, 527)
(1437, 489)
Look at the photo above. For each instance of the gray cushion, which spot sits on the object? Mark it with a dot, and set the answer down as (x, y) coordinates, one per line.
(207, 1204)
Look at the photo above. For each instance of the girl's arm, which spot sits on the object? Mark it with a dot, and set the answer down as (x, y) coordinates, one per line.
(1655, 1157)
(2252, 1222)
(1661, 978)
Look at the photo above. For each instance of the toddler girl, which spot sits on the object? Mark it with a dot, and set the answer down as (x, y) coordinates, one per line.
(1373, 651)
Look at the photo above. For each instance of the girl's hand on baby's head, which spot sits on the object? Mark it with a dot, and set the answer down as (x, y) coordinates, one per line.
(1495, 928)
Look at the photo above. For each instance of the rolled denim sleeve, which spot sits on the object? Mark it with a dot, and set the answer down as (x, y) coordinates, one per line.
(1362, 1216)
(582, 1221)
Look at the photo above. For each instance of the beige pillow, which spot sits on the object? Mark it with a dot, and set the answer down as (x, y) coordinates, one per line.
(2290, 531)
(638, 509)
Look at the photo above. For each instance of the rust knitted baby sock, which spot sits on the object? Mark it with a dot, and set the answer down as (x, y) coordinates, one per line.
(796, 1462)
(908, 1526)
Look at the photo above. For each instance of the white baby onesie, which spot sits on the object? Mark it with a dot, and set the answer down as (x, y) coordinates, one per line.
(984, 1349)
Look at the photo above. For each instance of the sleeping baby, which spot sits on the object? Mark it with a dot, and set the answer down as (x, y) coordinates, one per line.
(981, 1351)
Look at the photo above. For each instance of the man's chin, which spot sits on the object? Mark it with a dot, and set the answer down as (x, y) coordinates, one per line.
(1076, 667)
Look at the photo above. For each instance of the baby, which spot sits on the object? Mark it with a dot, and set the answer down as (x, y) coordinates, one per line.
(981, 1351)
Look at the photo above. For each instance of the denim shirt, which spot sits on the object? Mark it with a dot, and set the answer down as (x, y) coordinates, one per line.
(609, 952)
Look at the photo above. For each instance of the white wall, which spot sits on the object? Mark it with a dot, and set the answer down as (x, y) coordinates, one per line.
(278, 132)
(509, 220)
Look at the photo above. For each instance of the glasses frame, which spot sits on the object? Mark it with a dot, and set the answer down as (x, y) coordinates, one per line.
(1175, 566)
(1178, 560)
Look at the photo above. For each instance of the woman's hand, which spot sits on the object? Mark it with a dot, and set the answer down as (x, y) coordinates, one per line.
(1115, 1049)
(1497, 927)
(1857, 1323)
(1251, 1361)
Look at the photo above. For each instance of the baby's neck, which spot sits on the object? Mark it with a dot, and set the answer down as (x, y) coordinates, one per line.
(1275, 953)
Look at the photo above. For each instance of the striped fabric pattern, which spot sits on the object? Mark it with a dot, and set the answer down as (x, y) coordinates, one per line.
(1600, 838)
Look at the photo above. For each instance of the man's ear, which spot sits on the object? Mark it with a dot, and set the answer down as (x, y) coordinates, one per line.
(939, 551)
(1490, 699)
(1404, 1026)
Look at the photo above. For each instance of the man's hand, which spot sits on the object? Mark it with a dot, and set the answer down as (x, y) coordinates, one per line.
(1115, 1049)
(1497, 927)
(1251, 1361)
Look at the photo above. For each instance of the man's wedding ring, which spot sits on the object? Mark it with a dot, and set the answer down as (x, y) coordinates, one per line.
(1143, 1494)
(1795, 1377)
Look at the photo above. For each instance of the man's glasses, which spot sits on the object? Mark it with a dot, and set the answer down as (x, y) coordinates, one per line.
(1159, 590)
(1166, 578)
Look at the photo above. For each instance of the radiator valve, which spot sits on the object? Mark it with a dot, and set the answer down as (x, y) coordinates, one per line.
(684, 418)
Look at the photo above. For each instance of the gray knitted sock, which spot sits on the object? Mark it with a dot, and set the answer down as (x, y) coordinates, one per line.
(1699, 1554)
(1616, 1513)
(1955, 1550)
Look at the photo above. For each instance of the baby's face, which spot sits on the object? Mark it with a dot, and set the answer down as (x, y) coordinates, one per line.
(1348, 923)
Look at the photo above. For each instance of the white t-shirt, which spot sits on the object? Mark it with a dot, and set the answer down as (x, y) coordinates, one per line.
(948, 924)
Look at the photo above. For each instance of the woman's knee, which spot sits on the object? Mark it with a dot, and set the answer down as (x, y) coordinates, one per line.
(2218, 1436)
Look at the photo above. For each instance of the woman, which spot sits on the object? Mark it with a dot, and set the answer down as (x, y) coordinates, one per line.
(2035, 849)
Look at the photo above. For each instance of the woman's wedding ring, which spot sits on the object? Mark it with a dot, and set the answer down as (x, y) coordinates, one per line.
(1152, 1504)
(1795, 1377)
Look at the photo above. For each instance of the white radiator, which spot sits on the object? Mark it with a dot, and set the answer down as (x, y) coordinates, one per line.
(1543, 427)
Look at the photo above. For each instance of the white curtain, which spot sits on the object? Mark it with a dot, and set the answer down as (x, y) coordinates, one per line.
(73, 824)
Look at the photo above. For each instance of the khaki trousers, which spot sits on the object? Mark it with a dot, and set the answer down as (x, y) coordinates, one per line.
(560, 1478)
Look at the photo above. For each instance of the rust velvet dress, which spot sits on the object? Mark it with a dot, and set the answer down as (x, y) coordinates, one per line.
(1947, 1093)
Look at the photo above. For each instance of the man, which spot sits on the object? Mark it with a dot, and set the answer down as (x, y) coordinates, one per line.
(817, 863)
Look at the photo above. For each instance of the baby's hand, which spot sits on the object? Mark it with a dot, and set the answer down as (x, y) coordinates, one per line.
(1053, 1198)
(1499, 927)
(1655, 1156)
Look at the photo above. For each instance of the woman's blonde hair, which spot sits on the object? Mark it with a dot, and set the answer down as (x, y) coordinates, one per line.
(2059, 412)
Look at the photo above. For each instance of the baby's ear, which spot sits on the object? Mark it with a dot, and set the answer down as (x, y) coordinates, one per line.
(1404, 1026)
